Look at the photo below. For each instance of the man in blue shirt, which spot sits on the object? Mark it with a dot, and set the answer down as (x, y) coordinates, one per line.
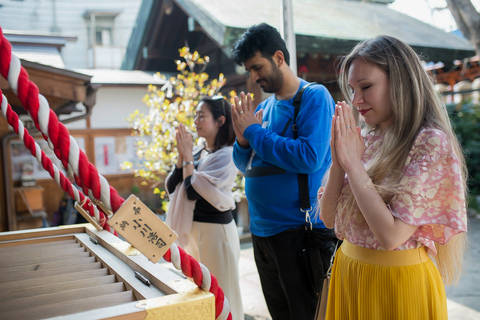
(290, 262)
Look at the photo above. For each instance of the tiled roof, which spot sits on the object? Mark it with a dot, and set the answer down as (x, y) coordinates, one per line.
(329, 19)
(44, 55)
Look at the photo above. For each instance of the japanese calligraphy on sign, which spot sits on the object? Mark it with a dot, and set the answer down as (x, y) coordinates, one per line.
(143, 229)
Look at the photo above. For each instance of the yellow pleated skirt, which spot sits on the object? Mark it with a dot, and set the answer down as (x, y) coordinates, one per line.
(375, 284)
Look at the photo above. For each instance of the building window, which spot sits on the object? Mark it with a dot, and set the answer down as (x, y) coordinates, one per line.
(104, 51)
(103, 36)
(102, 25)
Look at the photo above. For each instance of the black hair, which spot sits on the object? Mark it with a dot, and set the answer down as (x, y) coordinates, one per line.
(263, 38)
(221, 107)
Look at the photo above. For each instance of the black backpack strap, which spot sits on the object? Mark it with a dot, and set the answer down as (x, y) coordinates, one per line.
(297, 102)
(302, 177)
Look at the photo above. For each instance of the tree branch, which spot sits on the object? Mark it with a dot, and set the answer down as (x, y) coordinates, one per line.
(467, 19)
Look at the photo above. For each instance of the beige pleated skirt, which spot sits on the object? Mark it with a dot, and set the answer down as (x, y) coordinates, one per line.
(217, 246)
(376, 284)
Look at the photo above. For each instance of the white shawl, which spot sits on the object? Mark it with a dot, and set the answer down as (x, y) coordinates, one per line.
(213, 180)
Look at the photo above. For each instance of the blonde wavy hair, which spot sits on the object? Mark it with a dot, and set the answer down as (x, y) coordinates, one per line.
(415, 105)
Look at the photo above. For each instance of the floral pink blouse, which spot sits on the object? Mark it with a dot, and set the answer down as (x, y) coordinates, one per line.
(431, 195)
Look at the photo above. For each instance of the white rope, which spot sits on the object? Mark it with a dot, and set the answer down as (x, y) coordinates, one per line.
(226, 310)
(4, 106)
(175, 257)
(14, 73)
(43, 114)
(74, 154)
(105, 192)
(206, 278)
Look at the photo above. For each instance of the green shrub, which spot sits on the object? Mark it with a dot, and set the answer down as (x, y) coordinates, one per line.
(466, 123)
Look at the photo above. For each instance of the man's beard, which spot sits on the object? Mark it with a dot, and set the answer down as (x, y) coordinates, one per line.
(274, 81)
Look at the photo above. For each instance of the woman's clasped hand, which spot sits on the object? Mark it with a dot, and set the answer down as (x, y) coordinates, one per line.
(347, 143)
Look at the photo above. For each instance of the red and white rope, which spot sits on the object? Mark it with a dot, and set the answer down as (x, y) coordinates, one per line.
(86, 175)
(54, 132)
(17, 125)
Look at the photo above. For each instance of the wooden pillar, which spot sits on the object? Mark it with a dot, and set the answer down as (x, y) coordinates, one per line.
(3, 207)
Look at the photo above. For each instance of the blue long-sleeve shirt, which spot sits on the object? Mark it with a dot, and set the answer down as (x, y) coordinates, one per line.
(274, 159)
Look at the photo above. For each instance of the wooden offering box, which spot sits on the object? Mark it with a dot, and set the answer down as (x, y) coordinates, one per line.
(80, 273)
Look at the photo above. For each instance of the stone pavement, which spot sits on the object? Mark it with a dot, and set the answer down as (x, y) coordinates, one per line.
(463, 299)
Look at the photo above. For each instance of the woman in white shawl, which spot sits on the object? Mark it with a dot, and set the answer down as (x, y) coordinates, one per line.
(201, 200)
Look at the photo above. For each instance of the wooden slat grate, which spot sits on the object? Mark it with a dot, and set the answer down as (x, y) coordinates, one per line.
(49, 279)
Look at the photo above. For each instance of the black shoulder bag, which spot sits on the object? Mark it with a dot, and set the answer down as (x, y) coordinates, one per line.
(320, 245)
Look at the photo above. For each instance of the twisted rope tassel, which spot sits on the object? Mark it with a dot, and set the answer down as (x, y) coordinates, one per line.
(47, 164)
(67, 151)
(64, 146)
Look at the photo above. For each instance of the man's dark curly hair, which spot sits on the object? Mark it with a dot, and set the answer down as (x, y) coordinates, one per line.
(261, 37)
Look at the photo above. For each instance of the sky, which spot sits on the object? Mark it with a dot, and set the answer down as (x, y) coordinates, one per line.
(425, 10)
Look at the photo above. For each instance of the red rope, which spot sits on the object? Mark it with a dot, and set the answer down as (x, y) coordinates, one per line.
(88, 177)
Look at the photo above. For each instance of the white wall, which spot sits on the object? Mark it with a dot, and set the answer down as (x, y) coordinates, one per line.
(107, 57)
(37, 16)
(113, 106)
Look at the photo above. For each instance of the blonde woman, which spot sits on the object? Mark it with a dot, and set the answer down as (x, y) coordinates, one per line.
(396, 192)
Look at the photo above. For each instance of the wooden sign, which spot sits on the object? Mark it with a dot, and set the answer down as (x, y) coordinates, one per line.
(143, 229)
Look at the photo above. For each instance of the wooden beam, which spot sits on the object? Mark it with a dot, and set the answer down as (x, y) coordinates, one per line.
(59, 86)
(58, 89)
(452, 77)
(163, 53)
